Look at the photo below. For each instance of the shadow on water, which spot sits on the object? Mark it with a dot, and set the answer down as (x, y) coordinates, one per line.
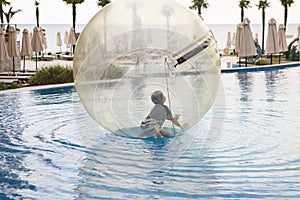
(55, 90)
(56, 95)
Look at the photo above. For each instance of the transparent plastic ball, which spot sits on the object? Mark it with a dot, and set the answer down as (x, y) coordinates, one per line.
(132, 48)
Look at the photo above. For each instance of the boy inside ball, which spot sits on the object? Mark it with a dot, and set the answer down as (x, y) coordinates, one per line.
(153, 123)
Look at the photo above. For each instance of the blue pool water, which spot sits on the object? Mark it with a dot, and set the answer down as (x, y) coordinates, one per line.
(51, 149)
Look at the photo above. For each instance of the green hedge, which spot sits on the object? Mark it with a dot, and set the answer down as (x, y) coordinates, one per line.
(52, 75)
(112, 72)
(6, 86)
(263, 61)
(267, 61)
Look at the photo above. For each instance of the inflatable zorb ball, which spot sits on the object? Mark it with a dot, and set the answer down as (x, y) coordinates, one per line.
(132, 48)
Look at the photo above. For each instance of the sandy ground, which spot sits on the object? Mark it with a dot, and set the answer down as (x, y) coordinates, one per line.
(231, 59)
(31, 64)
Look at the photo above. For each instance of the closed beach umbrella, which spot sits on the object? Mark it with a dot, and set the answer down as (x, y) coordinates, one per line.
(30, 36)
(247, 47)
(272, 46)
(226, 50)
(36, 43)
(26, 49)
(12, 45)
(43, 37)
(256, 36)
(282, 40)
(299, 41)
(12, 42)
(58, 40)
(233, 39)
(228, 43)
(72, 39)
(66, 40)
(3, 49)
(45, 43)
(239, 29)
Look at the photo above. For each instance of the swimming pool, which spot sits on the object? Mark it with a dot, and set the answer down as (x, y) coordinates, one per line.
(51, 149)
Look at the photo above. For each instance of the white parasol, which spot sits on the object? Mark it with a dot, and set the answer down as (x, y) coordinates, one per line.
(72, 39)
(233, 39)
(256, 37)
(239, 29)
(298, 41)
(43, 37)
(36, 43)
(58, 40)
(272, 46)
(66, 40)
(12, 45)
(26, 49)
(247, 47)
(30, 36)
(282, 40)
(45, 43)
(3, 49)
(228, 43)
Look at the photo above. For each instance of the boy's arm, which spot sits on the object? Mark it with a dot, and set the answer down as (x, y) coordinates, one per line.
(174, 120)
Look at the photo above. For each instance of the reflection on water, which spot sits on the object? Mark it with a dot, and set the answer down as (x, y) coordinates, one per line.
(271, 77)
(246, 84)
(52, 149)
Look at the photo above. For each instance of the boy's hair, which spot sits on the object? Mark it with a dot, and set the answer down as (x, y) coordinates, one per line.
(156, 97)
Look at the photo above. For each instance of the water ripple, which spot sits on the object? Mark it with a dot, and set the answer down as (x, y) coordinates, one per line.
(51, 148)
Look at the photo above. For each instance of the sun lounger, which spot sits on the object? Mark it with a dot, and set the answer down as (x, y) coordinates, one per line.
(66, 57)
(43, 58)
(8, 80)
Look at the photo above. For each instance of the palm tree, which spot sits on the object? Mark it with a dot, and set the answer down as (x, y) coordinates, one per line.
(3, 3)
(198, 5)
(103, 3)
(244, 4)
(286, 4)
(263, 4)
(37, 14)
(10, 14)
(74, 2)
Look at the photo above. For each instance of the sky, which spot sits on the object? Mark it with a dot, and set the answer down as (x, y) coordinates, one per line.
(218, 12)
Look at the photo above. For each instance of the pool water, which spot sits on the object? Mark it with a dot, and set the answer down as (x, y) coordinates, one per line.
(51, 149)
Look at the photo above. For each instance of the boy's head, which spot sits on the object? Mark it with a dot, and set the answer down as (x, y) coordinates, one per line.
(157, 97)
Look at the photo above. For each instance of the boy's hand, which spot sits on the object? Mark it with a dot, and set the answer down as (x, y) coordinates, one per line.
(176, 117)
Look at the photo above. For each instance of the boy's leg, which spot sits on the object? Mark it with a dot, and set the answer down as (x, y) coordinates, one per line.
(142, 134)
(165, 133)
(157, 131)
(158, 135)
(184, 126)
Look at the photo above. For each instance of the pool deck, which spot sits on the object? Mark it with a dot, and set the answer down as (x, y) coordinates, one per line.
(30, 67)
(230, 65)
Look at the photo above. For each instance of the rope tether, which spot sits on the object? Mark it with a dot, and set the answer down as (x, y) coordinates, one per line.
(168, 92)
